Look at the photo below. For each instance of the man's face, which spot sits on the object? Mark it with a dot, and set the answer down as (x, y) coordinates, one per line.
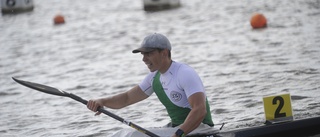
(153, 59)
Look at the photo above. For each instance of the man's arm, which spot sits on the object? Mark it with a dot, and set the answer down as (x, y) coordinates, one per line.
(118, 101)
(197, 113)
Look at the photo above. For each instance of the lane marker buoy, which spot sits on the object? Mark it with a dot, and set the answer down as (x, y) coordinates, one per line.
(59, 19)
(258, 20)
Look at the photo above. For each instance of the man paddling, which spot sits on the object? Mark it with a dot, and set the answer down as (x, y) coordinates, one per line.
(177, 85)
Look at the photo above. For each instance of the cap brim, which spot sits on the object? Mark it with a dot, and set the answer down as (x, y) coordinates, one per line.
(143, 49)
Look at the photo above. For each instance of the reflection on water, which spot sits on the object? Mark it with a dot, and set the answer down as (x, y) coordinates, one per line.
(90, 55)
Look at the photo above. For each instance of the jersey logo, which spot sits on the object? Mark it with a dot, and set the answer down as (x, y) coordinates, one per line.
(176, 96)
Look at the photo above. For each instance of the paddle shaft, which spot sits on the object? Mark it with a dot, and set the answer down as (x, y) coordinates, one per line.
(100, 109)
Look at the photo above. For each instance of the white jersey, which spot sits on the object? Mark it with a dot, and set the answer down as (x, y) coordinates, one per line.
(179, 83)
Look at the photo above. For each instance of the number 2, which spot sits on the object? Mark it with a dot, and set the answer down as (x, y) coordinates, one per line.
(277, 113)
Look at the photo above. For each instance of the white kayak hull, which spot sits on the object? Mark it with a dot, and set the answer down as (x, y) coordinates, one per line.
(202, 130)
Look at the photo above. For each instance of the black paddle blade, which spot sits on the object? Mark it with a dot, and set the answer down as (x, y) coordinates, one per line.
(42, 88)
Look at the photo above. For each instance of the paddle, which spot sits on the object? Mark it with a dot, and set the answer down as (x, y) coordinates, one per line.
(58, 92)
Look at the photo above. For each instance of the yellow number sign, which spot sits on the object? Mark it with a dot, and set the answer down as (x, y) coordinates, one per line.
(277, 107)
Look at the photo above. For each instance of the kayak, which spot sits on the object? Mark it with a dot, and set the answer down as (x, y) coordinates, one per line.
(309, 127)
(296, 128)
(202, 131)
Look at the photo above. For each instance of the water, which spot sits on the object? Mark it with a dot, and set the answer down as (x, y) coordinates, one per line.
(90, 56)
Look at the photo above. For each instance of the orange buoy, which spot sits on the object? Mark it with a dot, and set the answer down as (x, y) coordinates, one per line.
(258, 20)
(58, 19)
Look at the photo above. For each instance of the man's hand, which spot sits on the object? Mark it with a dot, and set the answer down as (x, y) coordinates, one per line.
(93, 105)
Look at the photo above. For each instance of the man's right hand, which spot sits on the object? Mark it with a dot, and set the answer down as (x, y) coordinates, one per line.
(93, 105)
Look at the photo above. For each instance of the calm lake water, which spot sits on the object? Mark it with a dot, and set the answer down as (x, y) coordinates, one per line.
(90, 56)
